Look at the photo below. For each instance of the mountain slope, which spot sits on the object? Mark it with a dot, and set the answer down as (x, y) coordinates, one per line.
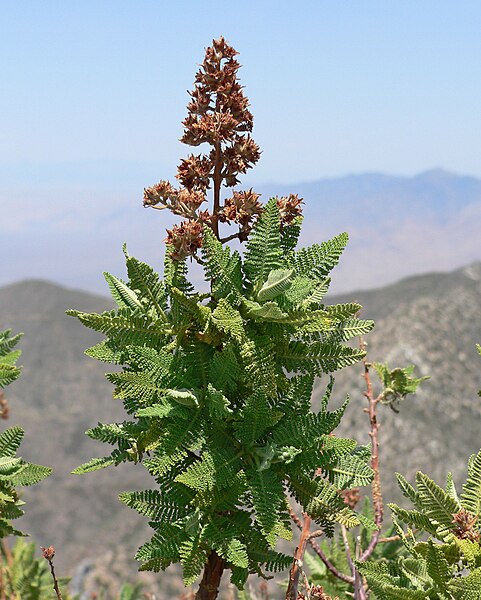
(60, 395)
(432, 321)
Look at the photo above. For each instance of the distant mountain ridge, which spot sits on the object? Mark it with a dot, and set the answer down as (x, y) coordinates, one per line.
(435, 193)
(427, 222)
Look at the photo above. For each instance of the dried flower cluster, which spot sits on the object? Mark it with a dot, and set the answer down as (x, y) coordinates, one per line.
(48, 553)
(184, 239)
(4, 408)
(466, 526)
(242, 208)
(351, 497)
(289, 208)
(218, 115)
(317, 591)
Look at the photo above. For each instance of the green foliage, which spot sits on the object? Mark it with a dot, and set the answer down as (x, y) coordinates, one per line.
(397, 384)
(8, 357)
(448, 564)
(131, 592)
(26, 577)
(335, 550)
(14, 471)
(218, 389)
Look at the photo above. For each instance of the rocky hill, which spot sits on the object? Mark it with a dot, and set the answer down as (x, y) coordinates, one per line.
(432, 321)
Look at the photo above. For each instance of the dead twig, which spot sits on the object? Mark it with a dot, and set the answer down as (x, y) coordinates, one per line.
(48, 554)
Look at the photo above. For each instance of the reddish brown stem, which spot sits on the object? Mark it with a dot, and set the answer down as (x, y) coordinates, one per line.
(230, 237)
(317, 549)
(387, 540)
(48, 554)
(3, 595)
(209, 585)
(376, 482)
(7, 554)
(217, 179)
(295, 572)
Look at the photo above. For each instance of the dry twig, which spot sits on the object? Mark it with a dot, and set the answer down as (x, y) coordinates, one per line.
(48, 554)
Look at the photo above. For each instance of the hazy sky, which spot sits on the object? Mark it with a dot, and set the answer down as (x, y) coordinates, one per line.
(335, 86)
(93, 92)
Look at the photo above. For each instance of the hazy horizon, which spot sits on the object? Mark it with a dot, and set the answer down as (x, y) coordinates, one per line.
(399, 226)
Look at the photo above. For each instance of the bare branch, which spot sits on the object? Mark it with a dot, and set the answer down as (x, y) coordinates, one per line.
(376, 482)
(318, 550)
(296, 568)
(48, 554)
(233, 236)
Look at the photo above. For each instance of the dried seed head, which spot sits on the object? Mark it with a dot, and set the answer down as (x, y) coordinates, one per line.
(48, 553)
(194, 172)
(241, 208)
(465, 522)
(4, 408)
(161, 193)
(289, 208)
(239, 157)
(317, 591)
(351, 497)
(218, 115)
(188, 201)
(184, 240)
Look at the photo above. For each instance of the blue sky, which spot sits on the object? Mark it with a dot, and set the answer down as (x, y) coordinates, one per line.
(335, 86)
(93, 93)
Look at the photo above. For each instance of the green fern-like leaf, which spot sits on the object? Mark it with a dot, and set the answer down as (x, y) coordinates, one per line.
(267, 497)
(278, 281)
(10, 440)
(125, 329)
(466, 588)
(147, 286)
(121, 293)
(437, 504)
(319, 260)
(222, 268)
(264, 250)
(471, 495)
(153, 504)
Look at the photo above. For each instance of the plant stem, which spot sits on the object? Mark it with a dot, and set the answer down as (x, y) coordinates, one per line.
(317, 549)
(217, 185)
(209, 585)
(230, 237)
(359, 591)
(296, 568)
(48, 554)
(376, 482)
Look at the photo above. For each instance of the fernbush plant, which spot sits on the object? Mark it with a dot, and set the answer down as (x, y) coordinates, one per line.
(218, 385)
(441, 538)
(14, 471)
(448, 563)
(26, 577)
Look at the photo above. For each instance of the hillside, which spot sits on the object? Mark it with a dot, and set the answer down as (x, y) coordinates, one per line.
(432, 321)
(59, 396)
